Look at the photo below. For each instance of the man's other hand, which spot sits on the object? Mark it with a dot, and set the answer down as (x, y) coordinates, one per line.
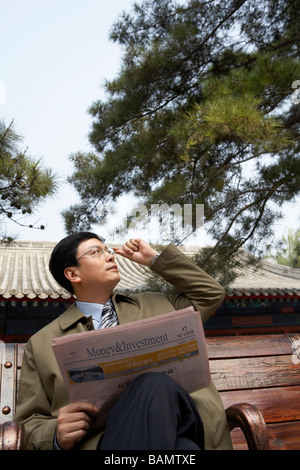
(74, 421)
(138, 251)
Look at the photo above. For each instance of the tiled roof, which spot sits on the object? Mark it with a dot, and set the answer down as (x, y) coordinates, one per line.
(267, 279)
(24, 273)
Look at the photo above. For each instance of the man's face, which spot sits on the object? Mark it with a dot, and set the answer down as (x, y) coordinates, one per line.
(96, 266)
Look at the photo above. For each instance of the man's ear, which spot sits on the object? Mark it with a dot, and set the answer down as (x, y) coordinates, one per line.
(72, 274)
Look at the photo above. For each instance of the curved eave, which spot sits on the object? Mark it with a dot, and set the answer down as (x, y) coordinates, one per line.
(24, 274)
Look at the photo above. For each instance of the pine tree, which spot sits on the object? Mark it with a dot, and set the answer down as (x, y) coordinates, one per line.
(289, 253)
(201, 112)
(23, 181)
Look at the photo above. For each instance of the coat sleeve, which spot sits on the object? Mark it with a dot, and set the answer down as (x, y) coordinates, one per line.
(34, 408)
(194, 286)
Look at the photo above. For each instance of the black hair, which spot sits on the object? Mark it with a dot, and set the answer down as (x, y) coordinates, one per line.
(64, 255)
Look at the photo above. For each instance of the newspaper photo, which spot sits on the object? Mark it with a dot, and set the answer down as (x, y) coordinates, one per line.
(98, 365)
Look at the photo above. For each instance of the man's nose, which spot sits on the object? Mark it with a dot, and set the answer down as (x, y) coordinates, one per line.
(109, 255)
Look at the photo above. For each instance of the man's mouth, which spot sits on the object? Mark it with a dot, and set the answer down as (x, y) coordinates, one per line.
(114, 267)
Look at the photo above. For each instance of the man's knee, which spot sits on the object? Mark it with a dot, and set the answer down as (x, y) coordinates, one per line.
(154, 380)
(158, 387)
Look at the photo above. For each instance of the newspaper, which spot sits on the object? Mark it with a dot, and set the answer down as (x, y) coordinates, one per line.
(98, 365)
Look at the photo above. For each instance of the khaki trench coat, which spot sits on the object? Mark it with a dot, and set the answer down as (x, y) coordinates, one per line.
(42, 392)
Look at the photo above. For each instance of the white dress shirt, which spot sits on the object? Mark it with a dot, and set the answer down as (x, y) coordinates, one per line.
(94, 310)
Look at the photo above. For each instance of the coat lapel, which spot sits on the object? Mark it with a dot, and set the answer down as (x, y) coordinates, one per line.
(70, 317)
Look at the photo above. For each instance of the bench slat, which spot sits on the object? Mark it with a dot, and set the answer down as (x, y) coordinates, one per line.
(256, 372)
(276, 404)
(20, 352)
(283, 436)
(8, 384)
(250, 346)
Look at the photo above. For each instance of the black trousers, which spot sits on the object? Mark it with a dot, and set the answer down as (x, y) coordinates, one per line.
(153, 413)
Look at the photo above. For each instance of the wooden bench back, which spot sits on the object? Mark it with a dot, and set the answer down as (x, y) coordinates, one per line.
(9, 367)
(261, 370)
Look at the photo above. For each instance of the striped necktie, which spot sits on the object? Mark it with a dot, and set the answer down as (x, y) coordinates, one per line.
(109, 317)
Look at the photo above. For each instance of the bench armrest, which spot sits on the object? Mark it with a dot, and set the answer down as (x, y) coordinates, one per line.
(241, 415)
(11, 436)
(252, 423)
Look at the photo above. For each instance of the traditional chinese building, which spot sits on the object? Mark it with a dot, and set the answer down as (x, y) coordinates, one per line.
(262, 301)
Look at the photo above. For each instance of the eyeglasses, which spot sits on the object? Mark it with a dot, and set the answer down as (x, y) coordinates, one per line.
(96, 251)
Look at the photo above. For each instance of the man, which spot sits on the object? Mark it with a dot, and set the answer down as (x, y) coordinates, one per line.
(84, 266)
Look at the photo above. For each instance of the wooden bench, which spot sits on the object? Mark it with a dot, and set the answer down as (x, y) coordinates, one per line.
(258, 378)
(264, 371)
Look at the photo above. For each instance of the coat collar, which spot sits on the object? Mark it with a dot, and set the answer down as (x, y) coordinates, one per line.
(73, 315)
(118, 297)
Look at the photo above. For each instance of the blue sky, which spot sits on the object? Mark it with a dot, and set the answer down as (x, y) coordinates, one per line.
(56, 56)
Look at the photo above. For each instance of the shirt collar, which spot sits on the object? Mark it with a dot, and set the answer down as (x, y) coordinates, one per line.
(92, 309)
(73, 314)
